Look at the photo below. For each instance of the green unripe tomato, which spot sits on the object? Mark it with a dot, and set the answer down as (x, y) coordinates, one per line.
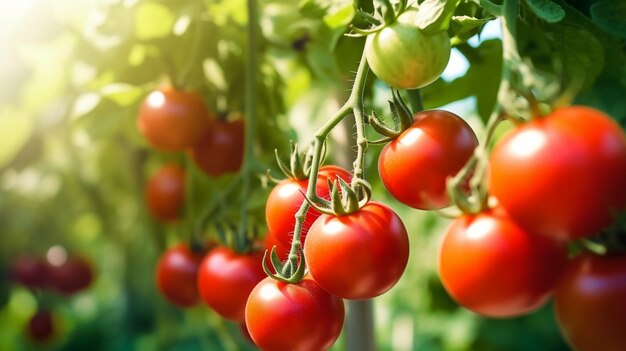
(405, 57)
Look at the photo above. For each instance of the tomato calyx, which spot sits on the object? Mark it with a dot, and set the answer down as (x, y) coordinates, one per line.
(345, 198)
(299, 165)
(401, 116)
(290, 272)
(609, 241)
(384, 15)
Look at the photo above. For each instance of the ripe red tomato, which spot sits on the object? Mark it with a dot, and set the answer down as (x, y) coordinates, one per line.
(590, 302)
(405, 57)
(281, 249)
(40, 326)
(285, 200)
(30, 271)
(494, 267)
(293, 317)
(165, 193)
(414, 166)
(177, 274)
(72, 276)
(172, 120)
(360, 255)
(226, 278)
(561, 175)
(220, 150)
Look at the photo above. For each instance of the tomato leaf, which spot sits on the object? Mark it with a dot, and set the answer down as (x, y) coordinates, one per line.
(546, 10)
(434, 15)
(153, 21)
(611, 16)
(581, 53)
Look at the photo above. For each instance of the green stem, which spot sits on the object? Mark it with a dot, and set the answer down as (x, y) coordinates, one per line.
(252, 69)
(415, 99)
(354, 105)
(195, 49)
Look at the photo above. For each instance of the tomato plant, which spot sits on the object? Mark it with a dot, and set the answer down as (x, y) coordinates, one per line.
(30, 271)
(226, 278)
(360, 255)
(165, 193)
(71, 276)
(558, 175)
(414, 166)
(494, 267)
(40, 327)
(293, 317)
(404, 56)
(172, 120)
(286, 198)
(177, 274)
(590, 305)
(220, 149)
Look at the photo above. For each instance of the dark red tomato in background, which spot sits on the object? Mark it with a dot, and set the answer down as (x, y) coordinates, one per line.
(173, 120)
(286, 198)
(293, 317)
(591, 303)
(72, 276)
(414, 166)
(226, 278)
(360, 255)
(560, 175)
(177, 274)
(165, 193)
(220, 150)
(40, 327)
(30, 271)
(494, 267)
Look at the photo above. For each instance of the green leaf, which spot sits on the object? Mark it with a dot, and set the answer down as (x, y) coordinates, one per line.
(434, 15)
(153, 21)
(581, 53)
(610, 15)
(546, 10)
(339, 15)
(122, 94)
(464, 24)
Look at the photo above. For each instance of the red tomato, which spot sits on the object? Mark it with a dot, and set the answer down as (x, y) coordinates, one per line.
(591, 303)
(30, 271)
(72, 276)
(221, 148)
(293, 317)
(40, 326)
(561, 175)
(173, 120)
(360, 255)
(494, 267)
(281, 249)
(165, 193)
(177, 274)
(285, 200)
(226, 278)
(414, 166)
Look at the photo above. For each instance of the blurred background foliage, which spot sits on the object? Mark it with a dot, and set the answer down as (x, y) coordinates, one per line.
(73, 165)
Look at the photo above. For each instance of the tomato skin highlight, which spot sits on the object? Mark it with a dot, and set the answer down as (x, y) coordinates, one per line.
(293, 317)
(225, 280)
(405, 57)
(590, 302)
(176, 275)
(494, 267)
(360, 255)
(220, 150)
(172, 120)
(286, 198)
(559, 175)
(165, 193)
(414, 166)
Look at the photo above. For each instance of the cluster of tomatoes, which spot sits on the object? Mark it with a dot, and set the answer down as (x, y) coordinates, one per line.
(553, 180)
(65, 277)
(175, 121)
